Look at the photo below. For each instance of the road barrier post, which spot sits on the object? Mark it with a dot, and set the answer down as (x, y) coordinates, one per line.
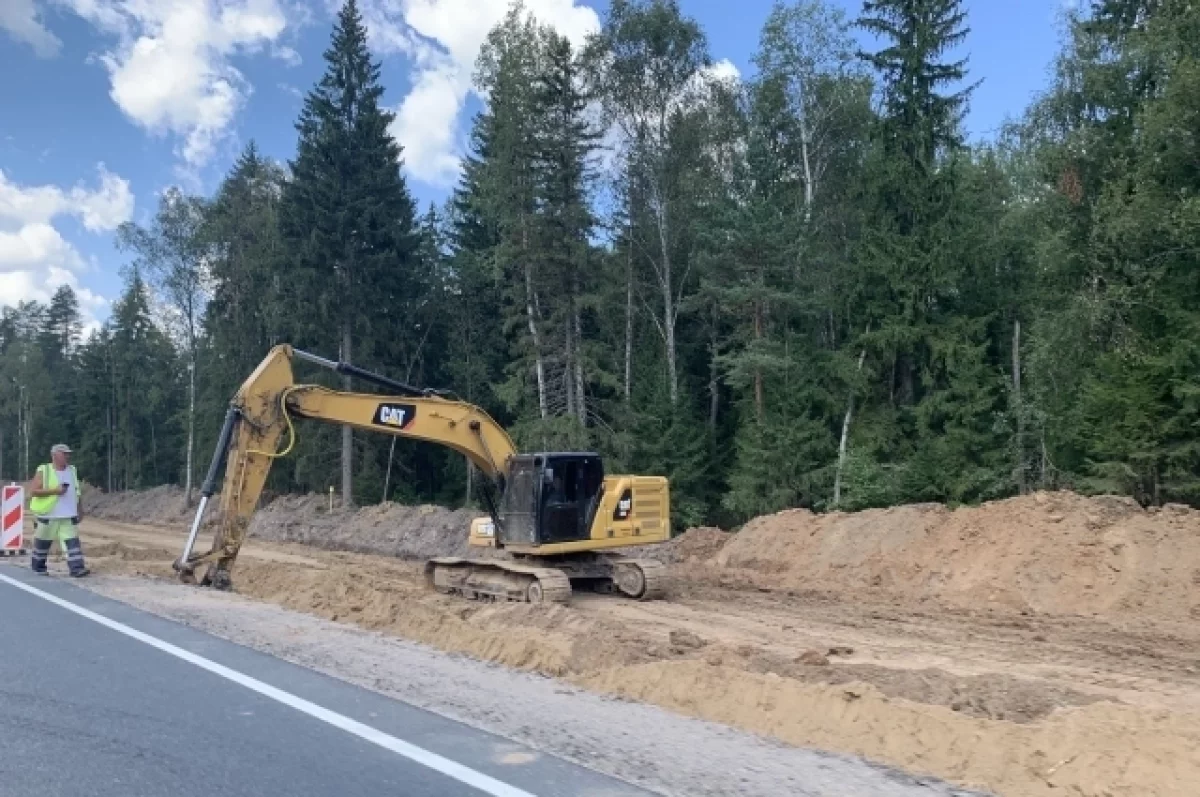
(12, 514)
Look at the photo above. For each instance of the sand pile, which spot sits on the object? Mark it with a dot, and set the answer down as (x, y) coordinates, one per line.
(1049, 552)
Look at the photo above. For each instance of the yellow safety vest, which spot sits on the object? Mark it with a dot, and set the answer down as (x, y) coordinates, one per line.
(43, 505)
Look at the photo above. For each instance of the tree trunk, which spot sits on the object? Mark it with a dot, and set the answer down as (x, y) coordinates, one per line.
(539, 365)
(892, 381)
(580, 400)
(629, 321)
(470, 479)
(809, 189)
(387, 477)
(1018, 408)
(191, 436)
(758, 377)
(842, 444)
(714, 385)
(110, 448)
(531, 312)
(112, 424)
(347, 433)
(153, 450)
(17, 450)
(1045, 460)
(664, 278)
(568, 377)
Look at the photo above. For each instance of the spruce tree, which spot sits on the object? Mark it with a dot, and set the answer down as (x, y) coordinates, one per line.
(347, 216)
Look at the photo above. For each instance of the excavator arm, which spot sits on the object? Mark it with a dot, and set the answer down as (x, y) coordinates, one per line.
(261, 416)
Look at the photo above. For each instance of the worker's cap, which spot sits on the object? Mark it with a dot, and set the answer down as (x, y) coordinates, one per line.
(60, 448)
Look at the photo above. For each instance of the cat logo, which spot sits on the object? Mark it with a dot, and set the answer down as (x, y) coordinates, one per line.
(395, 416)
(624, 506)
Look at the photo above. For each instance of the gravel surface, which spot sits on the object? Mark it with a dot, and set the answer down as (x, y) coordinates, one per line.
(641, 744)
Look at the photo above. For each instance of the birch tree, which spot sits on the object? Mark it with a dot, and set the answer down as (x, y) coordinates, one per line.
(173, 255)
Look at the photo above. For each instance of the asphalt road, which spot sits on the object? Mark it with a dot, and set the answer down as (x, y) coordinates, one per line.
(89, 711)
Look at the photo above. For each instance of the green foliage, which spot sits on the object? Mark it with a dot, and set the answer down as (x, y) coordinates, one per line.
(350, 282)
(771, 291)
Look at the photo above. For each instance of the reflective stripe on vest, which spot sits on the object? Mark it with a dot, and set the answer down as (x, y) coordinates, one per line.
(41, 506)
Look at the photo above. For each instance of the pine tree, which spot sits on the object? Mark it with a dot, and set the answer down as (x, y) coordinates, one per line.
(934, 416)
(565, 142)
(241, 320)
(920, 121)
(63, 323)
(347, 217)
(146, 392)
(1127, 422)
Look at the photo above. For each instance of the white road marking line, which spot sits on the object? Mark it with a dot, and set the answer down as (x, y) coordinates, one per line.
(452, 769)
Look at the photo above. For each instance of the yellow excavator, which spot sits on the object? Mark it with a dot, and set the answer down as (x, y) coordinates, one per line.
(557, 517)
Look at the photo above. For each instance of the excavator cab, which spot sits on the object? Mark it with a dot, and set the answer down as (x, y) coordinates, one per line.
(550, 498)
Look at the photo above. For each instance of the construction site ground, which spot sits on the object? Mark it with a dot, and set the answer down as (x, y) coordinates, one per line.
(1045, 645)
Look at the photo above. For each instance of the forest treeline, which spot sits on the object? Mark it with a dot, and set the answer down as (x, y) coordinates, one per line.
(801, 288)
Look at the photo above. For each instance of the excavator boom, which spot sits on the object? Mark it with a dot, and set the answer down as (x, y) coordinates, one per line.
(262, 413)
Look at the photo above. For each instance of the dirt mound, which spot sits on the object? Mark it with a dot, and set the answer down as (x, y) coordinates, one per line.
(1098, 750)
(155, 506)
(416, 532)
(699, 544)
(1049, 552)
(1029, 705)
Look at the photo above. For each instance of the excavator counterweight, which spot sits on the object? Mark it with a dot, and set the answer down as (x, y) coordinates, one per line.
(554, 517)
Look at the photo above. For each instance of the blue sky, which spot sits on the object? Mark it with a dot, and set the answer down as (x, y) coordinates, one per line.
(118, 99)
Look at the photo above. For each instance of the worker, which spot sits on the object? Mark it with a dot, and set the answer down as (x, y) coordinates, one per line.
(57, 506)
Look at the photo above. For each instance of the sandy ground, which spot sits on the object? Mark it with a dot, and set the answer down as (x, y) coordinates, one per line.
(658, 750)
(887, 647)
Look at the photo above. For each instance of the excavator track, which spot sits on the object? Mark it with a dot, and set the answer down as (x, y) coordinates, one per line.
(551, 582)
(649, 585)
(497, 580)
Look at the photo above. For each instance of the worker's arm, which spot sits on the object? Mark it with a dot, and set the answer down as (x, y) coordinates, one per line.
(35, 488)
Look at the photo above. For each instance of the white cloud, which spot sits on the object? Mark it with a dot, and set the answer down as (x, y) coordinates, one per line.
(170, 70)
(723, 70)
(20, 19)
(443, 39)
(34, 257)
(286, 54)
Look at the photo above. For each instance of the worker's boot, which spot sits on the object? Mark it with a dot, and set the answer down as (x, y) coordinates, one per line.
(41, 551)
(75, 559)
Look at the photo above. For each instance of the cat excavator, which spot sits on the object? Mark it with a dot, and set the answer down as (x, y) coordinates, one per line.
(555, 519)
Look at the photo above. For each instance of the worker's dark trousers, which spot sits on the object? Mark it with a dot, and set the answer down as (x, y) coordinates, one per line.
(41, 551)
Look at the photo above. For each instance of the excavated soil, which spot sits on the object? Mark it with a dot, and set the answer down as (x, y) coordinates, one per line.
(411, 532)
(1051, 552)
(1036, 646)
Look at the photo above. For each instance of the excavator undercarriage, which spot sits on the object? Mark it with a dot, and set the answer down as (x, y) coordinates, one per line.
(546, 579)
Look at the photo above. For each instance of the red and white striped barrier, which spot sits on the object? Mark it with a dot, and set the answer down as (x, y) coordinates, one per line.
(12, 514)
